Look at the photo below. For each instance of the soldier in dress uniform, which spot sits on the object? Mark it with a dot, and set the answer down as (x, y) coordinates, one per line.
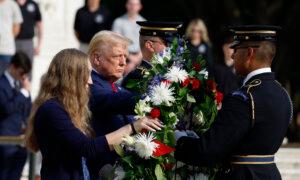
(154, 38)
(253, 120)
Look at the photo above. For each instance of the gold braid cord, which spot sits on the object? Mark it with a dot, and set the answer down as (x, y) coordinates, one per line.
(254, 83)
(290, 101)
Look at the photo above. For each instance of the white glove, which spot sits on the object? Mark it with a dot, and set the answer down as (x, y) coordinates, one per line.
(179, 134)
(192, 134)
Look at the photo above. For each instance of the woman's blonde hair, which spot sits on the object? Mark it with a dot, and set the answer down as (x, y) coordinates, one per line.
(66, 81)
(198, 23)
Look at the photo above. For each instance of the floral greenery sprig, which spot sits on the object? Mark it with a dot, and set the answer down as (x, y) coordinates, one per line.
(177, 87)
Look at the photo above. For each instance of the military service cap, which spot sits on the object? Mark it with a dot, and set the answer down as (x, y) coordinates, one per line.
(254, 33)
(159, 29)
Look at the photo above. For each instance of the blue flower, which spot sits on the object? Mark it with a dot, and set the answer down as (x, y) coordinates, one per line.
(179, 50)
(161, 54)
(180, 42)
(155, 81)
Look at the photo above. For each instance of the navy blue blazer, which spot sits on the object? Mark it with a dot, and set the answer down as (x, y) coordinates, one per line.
(109, 108)
(109, 112)
(14, 109)
(62, 144)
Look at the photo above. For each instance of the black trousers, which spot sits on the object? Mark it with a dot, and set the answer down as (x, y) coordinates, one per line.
(251, 172)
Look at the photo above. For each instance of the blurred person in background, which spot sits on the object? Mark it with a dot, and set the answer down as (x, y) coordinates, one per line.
(90, 19)
(59, 121)
(15, 104)
(32, 21)
(224, 72)
(126, 25)
(10, 22)
(199, 43)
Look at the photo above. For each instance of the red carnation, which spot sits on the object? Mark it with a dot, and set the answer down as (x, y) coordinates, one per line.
(166, 81)
(186, 82)
(196, 66)
(155, 113)
(162, 149)
(195, 84)
(211, 84)
(219, 97)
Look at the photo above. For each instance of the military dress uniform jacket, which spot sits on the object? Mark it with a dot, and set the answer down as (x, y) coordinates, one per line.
(109, 108)
(252, 121)
(136, 74)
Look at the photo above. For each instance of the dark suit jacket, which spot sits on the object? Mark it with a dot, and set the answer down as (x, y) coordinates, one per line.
(109, 110)
(14, 109)
(234, 132)
(62, 144)
(226, 80)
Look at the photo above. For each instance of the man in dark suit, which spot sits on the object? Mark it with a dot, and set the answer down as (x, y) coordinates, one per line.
(109, 103)
(224, 74)
(253, 120)
(15, 104)
(154, 38)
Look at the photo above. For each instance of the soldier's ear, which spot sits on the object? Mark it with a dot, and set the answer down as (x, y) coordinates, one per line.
(149, 46)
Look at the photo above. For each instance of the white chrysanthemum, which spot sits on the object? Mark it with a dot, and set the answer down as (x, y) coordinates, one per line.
(119, 173)
(198, 118)
(205, 73)
(142, 107)
(128, 140)
(144, 145)
(175, 74)
(162, 94)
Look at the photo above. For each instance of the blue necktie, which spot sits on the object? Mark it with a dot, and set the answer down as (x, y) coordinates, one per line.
(86, 174)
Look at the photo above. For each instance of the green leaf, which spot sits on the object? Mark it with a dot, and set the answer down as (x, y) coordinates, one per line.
(128, 160)
(192, 73)
(171, 136)
(131, 83)
(159, 173)
(119, 150)
(183, 92)
(190, 98)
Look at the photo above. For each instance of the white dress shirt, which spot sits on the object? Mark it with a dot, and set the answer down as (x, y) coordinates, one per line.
(256, 72)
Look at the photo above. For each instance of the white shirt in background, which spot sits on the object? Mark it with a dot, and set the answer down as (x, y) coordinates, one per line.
(10, 14)
(129, 29)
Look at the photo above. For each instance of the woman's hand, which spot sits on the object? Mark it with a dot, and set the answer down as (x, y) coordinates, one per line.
(144, 123)
(147, 123)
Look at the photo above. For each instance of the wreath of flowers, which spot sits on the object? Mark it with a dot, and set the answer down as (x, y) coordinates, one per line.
(178, 91)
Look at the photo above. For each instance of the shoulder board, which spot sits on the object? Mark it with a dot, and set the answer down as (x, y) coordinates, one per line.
(241, 94)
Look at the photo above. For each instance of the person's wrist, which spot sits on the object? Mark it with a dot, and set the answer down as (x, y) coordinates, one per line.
(133, 128)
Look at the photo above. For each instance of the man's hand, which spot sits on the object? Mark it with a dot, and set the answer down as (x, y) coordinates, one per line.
(26, 83)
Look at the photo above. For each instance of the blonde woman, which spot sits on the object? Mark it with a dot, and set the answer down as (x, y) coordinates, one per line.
(199, 43)
(59, 126)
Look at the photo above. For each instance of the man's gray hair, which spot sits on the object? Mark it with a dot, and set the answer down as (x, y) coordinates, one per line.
(105, 40)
